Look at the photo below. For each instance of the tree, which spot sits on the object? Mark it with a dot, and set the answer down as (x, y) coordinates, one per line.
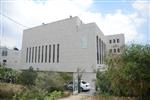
(129, 73)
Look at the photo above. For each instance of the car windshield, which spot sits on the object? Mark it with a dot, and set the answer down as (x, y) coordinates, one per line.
(83, 82)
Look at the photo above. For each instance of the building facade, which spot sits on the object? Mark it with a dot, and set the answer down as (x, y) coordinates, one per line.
(10, 57)
(65, 46)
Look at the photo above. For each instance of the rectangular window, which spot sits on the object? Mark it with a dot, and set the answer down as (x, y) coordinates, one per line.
(118, 41)
(39, 55)
(42, 54)
(114, 50)
(118, 50)
(114, 41)
(57, 53)
(4, 53)
(27, 55)
(49, 53)
(35, 54)
(53, 53)
(110, 41)
(46, 53)
(32, 54)
(100, 51)
(97, 50)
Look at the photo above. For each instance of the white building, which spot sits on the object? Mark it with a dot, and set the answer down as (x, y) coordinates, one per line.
(10, 57)
(65, 46)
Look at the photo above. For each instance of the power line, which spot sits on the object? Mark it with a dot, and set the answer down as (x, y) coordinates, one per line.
(13, 20)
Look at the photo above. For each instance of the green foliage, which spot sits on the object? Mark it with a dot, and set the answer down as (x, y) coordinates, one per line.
(54, 95)
(28, 77)
(8, 75)
(128, 73)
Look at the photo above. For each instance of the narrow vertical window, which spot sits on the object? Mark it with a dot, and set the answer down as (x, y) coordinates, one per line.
(110, 41)
(32, 54)
(57, 53)
(39, 55)
(27, 55)
(42, 54)
(117, 40)
(114, 50)
(35, 54)
(49, 53)
(118, 50)
(53, 53)
(97, 50)
(114, 40)
(46, 53)
(100, 51)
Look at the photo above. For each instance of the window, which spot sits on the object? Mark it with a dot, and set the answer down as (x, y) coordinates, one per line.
(118, 50)
(4, 62)
(97, 50)
(35, 54)
(4, 53)
(110, 41)
(46, 53)
(53, 53)
(118, 41)
(27, 55)
(114, 50)
(42, 53)
(39, 54)
(49, 53)
(100, 51)
(110, 50)
(57, 53)
(114, 41)
(32, 54)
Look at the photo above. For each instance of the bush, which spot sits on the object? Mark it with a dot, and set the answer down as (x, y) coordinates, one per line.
(28, 77)
(8, 75)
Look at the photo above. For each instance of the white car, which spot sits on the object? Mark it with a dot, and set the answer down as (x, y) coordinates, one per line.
(85, 86)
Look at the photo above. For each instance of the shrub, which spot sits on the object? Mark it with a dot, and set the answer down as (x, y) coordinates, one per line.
(28, 77)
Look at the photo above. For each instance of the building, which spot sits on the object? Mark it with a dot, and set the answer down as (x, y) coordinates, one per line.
(115, 43)
(65, 46)
(9, 57)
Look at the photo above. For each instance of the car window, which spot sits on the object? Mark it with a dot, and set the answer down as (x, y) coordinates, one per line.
(83, 82)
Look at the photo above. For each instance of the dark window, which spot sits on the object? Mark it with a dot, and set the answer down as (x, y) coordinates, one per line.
(4, 53)
(39, 55)
(100, 51)
(35, 54)
(57, 53)
(118, 41)
(118, 50)
(110, 41)
(27, 55)
(53, 53)
(46, 53)
(110, 50)
(32, 54)
(49, 53)
(42, 53)
(114, 50)
(4, 62)
(97, 50)
(114, 40)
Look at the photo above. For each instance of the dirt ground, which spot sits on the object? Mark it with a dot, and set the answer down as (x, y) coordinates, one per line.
(78, 97)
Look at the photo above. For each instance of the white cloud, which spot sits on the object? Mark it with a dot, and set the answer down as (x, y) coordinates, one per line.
(32, 13)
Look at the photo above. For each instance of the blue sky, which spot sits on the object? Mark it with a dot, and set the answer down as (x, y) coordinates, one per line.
(130, 17)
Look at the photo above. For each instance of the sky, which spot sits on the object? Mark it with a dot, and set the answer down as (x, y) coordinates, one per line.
(131, 17)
